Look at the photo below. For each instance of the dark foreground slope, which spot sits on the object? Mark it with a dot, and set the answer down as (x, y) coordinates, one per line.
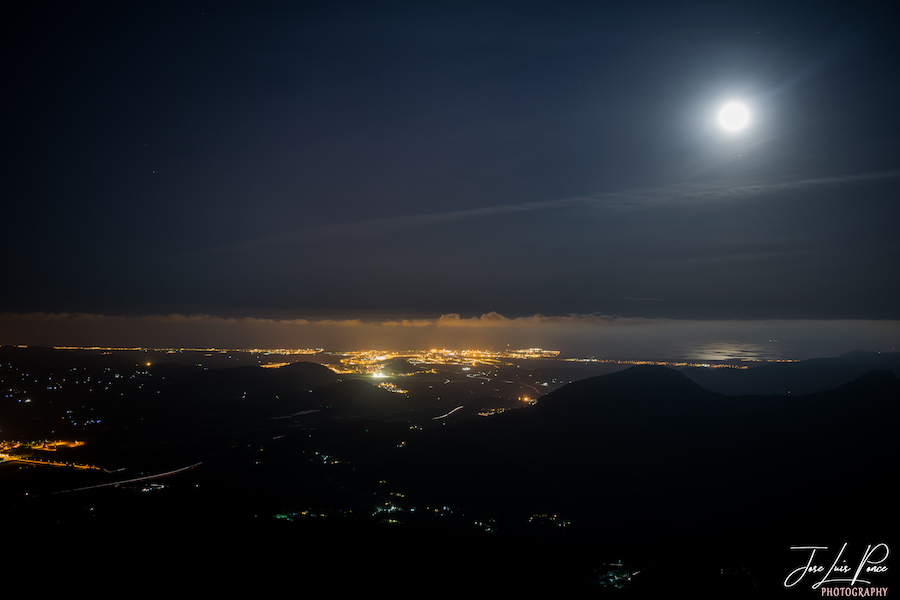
(694, 489)
(645, 456)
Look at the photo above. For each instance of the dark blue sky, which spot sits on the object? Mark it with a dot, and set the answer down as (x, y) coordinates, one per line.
(412, 160)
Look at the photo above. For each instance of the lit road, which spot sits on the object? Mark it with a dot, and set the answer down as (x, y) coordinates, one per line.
(536, 391)
(46, 463)
(446, 415)
(144, 478)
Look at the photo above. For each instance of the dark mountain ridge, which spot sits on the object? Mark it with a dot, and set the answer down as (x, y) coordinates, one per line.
(802, 377)
(647, 452)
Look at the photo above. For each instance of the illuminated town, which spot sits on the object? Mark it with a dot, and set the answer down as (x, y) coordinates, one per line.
(26, 452)
(371, 361)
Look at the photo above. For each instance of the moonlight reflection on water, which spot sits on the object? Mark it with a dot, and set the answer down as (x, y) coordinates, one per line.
(735, 350)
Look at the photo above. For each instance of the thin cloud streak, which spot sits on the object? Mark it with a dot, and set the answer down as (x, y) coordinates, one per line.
(629, 199)
(758, 189)
(390, 224)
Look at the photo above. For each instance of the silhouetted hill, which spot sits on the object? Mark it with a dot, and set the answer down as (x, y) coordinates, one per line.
(248, 380)
(803, 377)
(654, 388)
(357, 398)
(311, 374)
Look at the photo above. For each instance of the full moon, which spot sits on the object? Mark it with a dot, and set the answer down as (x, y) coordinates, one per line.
(734, 116)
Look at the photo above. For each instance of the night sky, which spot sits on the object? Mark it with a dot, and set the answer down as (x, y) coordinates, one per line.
(277, 165)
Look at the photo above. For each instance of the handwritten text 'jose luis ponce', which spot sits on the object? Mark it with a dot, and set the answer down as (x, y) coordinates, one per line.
(871, 563)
